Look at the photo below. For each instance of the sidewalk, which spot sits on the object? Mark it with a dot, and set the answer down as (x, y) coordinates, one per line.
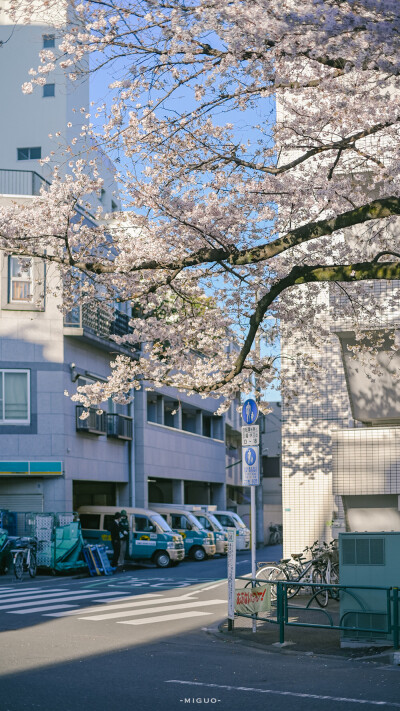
(307, 640)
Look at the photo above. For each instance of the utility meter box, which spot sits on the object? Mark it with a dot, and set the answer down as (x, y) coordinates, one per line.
(368, 560)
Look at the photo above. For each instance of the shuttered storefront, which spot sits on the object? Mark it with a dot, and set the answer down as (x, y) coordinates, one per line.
(22, 502)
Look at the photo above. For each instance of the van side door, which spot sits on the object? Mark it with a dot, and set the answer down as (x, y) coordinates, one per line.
(181, 524)
(144, 537)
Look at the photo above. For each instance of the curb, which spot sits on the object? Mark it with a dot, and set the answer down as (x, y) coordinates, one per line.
(389, 656)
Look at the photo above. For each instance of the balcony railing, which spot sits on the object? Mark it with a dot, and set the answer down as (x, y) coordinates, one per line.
(119, 426)
(21, 182)
(96, 320)
(96, 423)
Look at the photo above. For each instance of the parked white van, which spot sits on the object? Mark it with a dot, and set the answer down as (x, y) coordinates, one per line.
(199, 543)
(230, 519)
(150, 536)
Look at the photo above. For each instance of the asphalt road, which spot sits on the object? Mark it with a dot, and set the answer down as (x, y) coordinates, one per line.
(145, 640)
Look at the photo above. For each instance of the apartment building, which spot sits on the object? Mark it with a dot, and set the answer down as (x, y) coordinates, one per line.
(164, 446)
(340, 449)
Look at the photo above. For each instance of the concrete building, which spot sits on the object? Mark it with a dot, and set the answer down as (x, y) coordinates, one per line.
(162, 447)
(271, 450)
(340, 456)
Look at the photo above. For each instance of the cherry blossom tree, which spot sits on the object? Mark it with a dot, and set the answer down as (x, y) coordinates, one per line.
(258, 150)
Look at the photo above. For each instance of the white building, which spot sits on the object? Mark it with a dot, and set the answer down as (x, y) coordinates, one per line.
(50, 459)
(340, 450)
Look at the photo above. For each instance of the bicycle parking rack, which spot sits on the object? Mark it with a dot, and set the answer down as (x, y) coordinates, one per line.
(283, 606)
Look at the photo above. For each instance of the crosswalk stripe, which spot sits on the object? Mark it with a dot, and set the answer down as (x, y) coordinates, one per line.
(38, 609)
(43, 593)
(163, 608)
(87, 610)
(68, 598)
(138, 603)
(11, 591)
(164, 618)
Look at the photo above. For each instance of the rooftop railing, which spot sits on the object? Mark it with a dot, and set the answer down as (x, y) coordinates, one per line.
(21, 182)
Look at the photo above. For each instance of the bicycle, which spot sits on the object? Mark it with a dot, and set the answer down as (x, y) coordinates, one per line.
(318, 570)
(24, 557)
(275, 534)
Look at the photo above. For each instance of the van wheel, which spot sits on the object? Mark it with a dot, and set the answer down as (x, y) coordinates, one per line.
(162, 559)
(198, 553)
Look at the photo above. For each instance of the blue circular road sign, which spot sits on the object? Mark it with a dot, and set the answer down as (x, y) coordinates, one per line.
(250, 456)
(249, 411)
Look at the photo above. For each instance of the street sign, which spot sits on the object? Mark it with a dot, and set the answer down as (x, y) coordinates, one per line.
(250, 467)
(250, 435)
(249, 412)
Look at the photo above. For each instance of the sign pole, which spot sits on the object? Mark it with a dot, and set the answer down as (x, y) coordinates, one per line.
(251, 471)
(231, 577)
(253, 540)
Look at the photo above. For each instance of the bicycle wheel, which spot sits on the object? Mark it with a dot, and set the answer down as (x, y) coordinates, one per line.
(292, 573)
(19, 565)
(320, 594)
(334, 580)
(271, 573)
(32, 567)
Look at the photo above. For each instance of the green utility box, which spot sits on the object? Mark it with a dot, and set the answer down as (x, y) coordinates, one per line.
(368, 560)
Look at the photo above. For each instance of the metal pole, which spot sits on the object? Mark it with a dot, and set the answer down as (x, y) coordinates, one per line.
(231, 577)
(280, 612)
(253, 539)
(395, 618)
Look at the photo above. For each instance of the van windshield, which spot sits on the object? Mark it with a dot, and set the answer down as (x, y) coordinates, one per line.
(214, 521)
(161, 522)
(238, 519)
(194, 521)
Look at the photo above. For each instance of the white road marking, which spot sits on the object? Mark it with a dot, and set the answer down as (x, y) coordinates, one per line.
(129, 598)
(39, 609)
(68, 598)
(298, 695)
(86, 610)
(32, 592)
(44, 593)
(163, 608)
(208, 587)
(21, 590)
(164, 618)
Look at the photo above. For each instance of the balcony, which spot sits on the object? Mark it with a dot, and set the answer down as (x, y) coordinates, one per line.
(94, 323)
(119, 427)
(94, 424)
(21, 182)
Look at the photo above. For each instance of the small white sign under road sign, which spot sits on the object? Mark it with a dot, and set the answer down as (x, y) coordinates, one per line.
(250, 466)
(250, 435)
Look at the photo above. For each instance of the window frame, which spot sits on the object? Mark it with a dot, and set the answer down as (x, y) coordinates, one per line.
(48, 41)
(49, 96)
(28, 150)
(12, 280)
(4, 421)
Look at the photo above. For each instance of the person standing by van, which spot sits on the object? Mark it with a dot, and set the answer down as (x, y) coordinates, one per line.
(124, 536)
(115, 538)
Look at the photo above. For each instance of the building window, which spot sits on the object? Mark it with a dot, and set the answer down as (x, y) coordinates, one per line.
(114, 206)
(29, 153)
(49, 41)
(49, 90)
(20, 280)
(271, 467)
(14, 396)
